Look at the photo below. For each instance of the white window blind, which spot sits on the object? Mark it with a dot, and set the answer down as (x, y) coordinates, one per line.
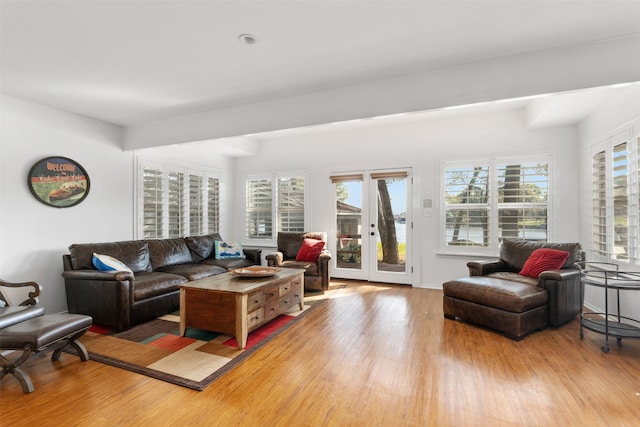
(177, 201)
(523, 194)
(290, 209)
(487, 201)
(176, 205)
(274, 202)
(213, 203)
(259, 220)
(152, 202)
(599, 204)
(615, 200)
(467, 206)
(196, 205)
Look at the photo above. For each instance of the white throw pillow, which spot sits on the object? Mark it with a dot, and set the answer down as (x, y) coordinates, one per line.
(109, 263)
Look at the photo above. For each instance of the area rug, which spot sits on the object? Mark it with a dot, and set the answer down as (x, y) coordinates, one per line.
(156, 349)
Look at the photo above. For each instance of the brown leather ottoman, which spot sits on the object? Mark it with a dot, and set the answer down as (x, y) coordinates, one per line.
(513, 308)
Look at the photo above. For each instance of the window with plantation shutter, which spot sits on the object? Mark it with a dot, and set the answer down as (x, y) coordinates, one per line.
(196, 205)
(177, 201)
(599, 205)
(152, 203)
(290, 209)
(616, 198)
(487, 201)
(466, 203)
(213, 203)
(274, 202)
(176, 205)
(259, 220)
(523, 194)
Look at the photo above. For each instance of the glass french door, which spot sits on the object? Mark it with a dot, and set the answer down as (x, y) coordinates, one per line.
(373, 226)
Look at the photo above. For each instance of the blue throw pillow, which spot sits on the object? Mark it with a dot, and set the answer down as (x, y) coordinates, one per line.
(226, 250)
(108, 263)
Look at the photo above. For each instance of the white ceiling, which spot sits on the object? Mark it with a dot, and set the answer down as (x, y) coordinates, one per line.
(132, 62)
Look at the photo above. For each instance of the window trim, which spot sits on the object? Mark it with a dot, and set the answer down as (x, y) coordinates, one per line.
(273, 177)
(493, 249)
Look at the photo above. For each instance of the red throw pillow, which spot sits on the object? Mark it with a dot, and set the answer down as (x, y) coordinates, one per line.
(542, 260)
(310, 250)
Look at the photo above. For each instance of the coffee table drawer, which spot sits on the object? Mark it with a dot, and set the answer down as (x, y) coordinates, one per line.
(255, 300)
(288, 301)
(255, 318)
(285, 288)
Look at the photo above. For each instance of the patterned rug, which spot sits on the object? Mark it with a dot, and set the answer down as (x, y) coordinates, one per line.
(156, 349)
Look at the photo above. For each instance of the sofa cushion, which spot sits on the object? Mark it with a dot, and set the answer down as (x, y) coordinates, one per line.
(310, 250)
(544, 259)
(135, 254)
(515, 252)
(193, 271)
(202, 246)
(108, 263)
(514, 277)
(165, 252)
(228, 263)
(148, 285)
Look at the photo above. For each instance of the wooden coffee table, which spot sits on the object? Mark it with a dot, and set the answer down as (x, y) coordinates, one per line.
(235, 305)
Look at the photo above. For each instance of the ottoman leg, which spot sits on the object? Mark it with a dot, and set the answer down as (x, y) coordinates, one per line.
(21, 376)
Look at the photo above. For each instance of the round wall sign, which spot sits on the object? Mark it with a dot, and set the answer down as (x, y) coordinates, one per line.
(59, 182)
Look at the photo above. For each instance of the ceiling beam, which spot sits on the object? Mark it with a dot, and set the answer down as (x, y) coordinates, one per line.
(575, 67)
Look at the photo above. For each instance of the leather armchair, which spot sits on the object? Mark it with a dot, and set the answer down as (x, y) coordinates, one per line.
(316, 276)
(562, 286)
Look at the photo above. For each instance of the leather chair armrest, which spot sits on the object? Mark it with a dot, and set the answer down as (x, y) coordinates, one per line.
(483, 268)
(324, 257)
(117, 276)
(563, 287)
(274, 259)
(253, 254)
(559, 275)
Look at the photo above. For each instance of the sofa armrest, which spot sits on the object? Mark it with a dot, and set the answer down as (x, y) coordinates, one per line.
(483, 268)
(98, 275)
(253, 254)
(105, 296)
(274, 259)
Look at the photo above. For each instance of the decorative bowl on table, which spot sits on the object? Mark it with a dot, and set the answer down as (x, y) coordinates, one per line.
(254, 271)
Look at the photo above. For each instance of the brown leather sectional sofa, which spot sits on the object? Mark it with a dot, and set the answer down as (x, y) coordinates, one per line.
(119, 299)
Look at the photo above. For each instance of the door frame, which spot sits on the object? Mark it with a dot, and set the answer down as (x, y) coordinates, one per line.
(368, 267)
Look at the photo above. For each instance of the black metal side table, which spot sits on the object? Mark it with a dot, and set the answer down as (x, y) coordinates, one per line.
(607, 276)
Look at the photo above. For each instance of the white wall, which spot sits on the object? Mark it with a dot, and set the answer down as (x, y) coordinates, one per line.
(421, 145)
(603, 123)
(33, 235)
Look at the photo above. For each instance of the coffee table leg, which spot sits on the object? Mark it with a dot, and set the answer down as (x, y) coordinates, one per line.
(301, 291)
(183, 310)
(241, 321)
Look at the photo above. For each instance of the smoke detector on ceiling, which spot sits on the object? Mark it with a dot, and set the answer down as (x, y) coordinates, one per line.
(248, 39)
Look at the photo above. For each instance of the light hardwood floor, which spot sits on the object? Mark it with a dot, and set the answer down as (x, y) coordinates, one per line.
(374, 354)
